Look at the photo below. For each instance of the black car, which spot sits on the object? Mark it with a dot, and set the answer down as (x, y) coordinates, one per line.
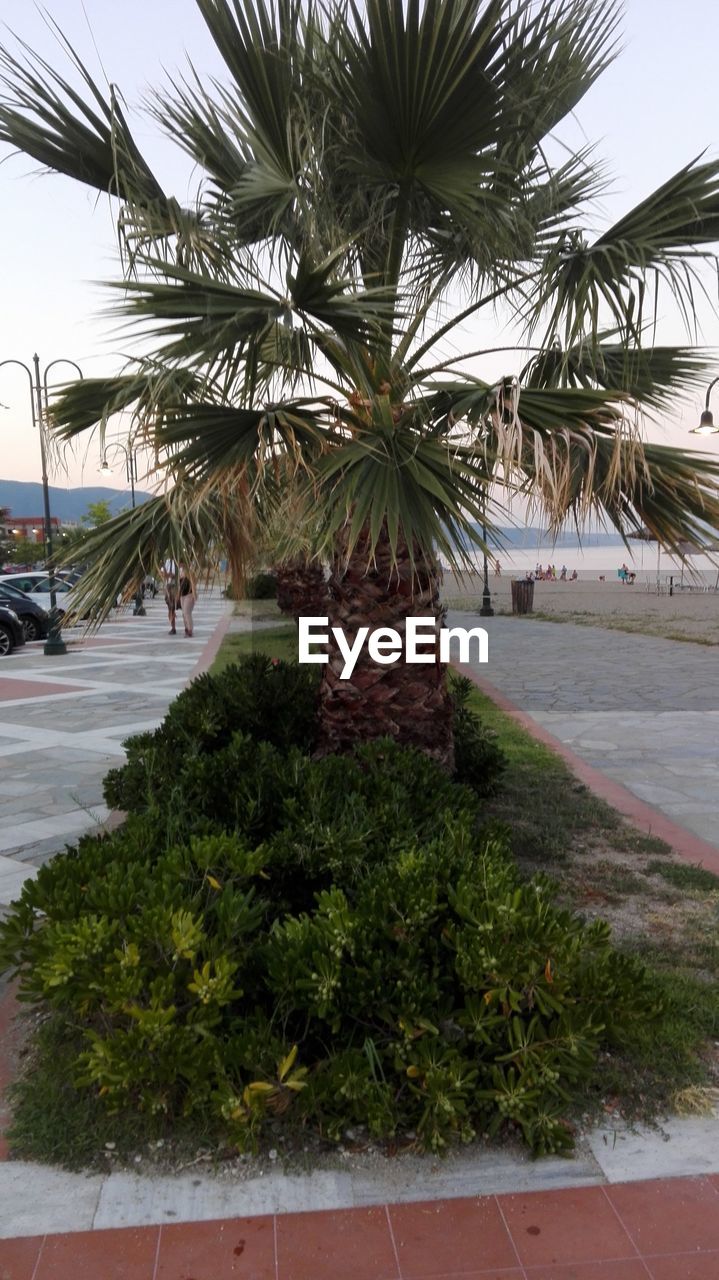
(11, 632)
(35, 619)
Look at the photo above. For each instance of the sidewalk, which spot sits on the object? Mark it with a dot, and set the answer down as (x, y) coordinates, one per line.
(640, 1231)
(63, 721)
(638, 711)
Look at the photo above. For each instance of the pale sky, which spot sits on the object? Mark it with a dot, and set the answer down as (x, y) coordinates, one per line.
(652, 111)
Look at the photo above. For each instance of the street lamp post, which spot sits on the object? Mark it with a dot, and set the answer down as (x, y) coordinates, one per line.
(130, 466)
(54, 644)
(706, 425)
(486, 611)
(131, 473)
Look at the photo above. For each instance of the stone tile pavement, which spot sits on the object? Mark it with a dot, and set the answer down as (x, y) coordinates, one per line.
(643, 710)
(63, 721)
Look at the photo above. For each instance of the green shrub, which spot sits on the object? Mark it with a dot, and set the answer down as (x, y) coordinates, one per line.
(479, 760)
(261, 586)
(271, 701)
(267, 700)
(350, 952)
(314, 942)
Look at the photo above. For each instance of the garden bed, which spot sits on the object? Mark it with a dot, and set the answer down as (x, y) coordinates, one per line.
(351, 950)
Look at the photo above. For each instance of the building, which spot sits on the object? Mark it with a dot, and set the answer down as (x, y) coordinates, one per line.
(31, 528)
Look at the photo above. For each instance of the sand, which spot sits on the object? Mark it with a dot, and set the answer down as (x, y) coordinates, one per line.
(685, 615)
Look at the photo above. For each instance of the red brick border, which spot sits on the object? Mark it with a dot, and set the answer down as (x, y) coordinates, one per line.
(643, 816)
(211, 649)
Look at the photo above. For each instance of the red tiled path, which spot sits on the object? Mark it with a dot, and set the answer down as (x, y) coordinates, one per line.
(661, 1230)
(11, 689)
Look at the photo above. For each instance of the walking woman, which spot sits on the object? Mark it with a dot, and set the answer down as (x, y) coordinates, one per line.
(171, 602)
(187, 599)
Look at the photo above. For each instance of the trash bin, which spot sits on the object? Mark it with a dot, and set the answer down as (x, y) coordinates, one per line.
(522, 596)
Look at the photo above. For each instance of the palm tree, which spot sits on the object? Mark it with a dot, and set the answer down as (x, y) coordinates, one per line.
(288, 536)
(377, 177)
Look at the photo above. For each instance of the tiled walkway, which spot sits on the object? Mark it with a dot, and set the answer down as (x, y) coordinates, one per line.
(661, 1230)
(642, 710)
(63, 720)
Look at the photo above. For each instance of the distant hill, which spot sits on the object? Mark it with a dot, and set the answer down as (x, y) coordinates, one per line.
(529, 536)
(24, 498)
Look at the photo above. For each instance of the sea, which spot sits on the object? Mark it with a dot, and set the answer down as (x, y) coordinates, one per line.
(592, 561)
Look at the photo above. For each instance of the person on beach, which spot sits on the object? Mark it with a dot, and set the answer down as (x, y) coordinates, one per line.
(187, 599)
(563, 574)
(574, 576)
(497, 569)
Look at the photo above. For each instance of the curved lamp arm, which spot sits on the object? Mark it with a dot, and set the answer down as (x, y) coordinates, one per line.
(709, 390)
(28, 371)
(706, 424)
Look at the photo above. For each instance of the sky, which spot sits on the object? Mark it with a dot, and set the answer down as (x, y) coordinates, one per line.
(653, 110)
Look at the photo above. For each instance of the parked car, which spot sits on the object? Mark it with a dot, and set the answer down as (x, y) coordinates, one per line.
(12, 635)
(39, 591)
(25, 581)
(63, 593)
(34, 618)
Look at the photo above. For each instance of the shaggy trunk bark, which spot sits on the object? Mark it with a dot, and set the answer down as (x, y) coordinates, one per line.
(301, 589)
(408, 702)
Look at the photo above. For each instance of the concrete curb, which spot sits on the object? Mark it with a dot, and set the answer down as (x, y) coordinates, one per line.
(37, 1199)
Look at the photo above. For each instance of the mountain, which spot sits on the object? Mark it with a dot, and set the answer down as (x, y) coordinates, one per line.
(529, 536)
(24, 498)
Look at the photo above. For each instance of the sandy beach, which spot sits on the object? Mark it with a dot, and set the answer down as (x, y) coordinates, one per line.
(686, 615)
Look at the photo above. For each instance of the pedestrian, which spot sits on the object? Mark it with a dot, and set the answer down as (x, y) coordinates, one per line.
(171, 602)
(187, 599)
(497, 569)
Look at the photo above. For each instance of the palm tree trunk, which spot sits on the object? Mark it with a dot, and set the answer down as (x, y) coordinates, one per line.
(408, 702)
(301, 588)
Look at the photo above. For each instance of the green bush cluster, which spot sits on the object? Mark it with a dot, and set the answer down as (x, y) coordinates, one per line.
(268, 700)
(326, 943)
(479, 760)
(261, 586)
(189, 759)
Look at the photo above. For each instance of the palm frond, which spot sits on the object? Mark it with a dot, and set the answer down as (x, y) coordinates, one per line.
(264, 46)
(201, 319)
(205, 440)
(90, 402)
(43, 116)
(179, 524)
(575, 452)
(653, 376)
(552, 53)
(664, 237)
(428, 493)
